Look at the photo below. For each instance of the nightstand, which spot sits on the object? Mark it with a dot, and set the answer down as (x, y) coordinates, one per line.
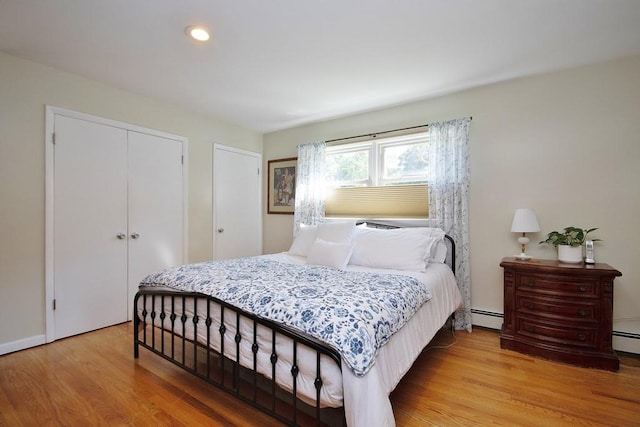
(559, 311)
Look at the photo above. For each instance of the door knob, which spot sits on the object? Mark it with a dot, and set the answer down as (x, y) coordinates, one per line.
(220, 230)
(135, 235)
(121, 236)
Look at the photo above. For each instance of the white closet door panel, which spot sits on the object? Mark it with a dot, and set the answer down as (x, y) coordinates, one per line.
(90, 210)
(155, 207)
(237, 194)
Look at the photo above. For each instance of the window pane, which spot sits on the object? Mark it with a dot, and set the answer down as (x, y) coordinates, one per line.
(348, 168)
(405, 163)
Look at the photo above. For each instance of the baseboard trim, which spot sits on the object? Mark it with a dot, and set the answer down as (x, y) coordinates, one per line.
(622, 341)
(22, 344)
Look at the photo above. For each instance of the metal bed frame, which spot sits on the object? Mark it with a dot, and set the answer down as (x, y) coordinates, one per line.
(219, 368)
(223, 368)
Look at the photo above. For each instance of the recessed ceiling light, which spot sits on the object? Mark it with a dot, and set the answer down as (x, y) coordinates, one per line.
(198, 33)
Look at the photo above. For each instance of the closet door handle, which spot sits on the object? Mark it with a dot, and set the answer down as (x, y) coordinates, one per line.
(220, 230)
(121, 236)
(135, 235)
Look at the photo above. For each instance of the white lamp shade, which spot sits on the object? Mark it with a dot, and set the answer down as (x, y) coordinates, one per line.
(525, 221)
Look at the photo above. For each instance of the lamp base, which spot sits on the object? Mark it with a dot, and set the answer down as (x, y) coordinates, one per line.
(523, 256)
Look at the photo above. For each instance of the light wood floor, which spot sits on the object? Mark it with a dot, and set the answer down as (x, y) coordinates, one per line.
(92, 379)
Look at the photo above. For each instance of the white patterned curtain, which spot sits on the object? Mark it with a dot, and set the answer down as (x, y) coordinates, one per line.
(449, 199)
(309, 207)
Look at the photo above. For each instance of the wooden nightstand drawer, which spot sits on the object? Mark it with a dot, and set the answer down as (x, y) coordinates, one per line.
(576, 287)
(554, 333)
(559, 309)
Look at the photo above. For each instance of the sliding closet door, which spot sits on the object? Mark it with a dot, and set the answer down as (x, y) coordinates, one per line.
(90, 226)
(156, 219)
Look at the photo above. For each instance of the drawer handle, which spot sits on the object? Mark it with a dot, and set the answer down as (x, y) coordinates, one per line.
(530, 306)
(582, 312)
(583, 288)
(531, 283)
(530, 329)
(582, 337)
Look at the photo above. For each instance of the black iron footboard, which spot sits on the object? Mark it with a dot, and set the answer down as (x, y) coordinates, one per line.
(172, 324)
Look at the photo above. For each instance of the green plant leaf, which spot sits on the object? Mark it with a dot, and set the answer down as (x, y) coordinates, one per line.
(572, 236)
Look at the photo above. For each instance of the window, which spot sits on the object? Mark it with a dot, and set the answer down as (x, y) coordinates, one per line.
(348, 165)
(389, 161)
(378, 178)
(403, 162)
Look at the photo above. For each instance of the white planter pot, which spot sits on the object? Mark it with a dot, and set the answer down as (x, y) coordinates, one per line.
(570, 254)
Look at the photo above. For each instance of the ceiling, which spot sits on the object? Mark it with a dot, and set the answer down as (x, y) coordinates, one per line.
(275, 64)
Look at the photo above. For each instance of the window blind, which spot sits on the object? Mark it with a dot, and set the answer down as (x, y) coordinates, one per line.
(392, 201)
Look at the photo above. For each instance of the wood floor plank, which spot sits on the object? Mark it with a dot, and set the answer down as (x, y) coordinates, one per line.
(466, 380)
(485, 385)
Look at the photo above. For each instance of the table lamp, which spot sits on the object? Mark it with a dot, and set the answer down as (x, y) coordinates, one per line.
(524, 221)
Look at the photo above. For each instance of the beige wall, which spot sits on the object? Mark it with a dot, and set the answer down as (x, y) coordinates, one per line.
(566, 144)
(25, 88)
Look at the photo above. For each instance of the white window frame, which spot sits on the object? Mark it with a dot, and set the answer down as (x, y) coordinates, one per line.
(375, 148)
(352, 148)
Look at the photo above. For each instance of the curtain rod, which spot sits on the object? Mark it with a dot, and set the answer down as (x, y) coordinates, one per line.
(374, 134)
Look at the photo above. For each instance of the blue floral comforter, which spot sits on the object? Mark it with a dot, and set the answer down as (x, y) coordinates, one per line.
(354, 312)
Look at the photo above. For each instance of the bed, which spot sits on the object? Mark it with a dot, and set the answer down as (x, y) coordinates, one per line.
(305, 335)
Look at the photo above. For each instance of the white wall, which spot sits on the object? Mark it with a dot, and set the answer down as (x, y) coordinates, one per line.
(566, 144)
(25, 88)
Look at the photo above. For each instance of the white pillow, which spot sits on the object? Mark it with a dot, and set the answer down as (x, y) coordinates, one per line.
(303, 240)
(336, 231)
(439, 251)
(330, 254)
(393, 248)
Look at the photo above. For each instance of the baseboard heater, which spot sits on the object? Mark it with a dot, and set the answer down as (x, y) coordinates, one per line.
(623, 334)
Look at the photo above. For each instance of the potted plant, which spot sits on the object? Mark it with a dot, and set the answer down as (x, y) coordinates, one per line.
(569, 243)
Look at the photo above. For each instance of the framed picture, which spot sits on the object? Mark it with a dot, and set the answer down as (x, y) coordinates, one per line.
(281, 190)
